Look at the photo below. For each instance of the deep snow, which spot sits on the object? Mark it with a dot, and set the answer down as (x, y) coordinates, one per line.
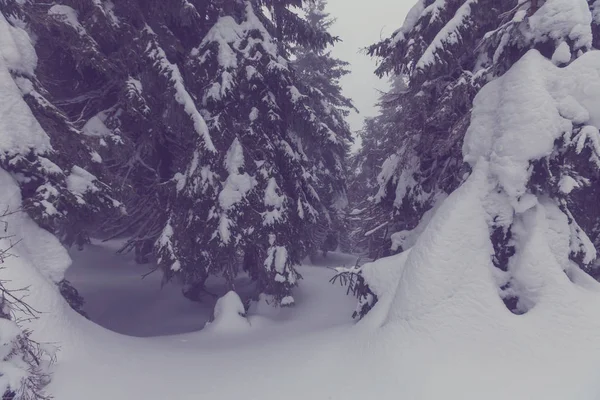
(119, 297)
(447, 335)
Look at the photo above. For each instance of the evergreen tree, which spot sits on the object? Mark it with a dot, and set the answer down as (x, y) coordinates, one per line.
(193, 113)
(446, 51)
(56, 165)
(372, 213)
(321, 73)
(251, 194)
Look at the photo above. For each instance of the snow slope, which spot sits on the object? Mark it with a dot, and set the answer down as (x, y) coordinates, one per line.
(447, 335)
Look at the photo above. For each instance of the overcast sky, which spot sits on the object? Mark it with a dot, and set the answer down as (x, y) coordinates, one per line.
(359, 24)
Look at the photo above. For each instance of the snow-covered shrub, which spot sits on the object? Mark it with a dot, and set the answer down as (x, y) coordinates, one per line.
(356, 284)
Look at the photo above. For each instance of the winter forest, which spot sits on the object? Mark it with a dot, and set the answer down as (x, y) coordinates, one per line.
(188, 210)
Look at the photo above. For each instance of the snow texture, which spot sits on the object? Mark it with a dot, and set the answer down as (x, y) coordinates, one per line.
(560, 19)
(557, 99)
(237, 185)
(20, 132)
(68, 15)
(95, 126)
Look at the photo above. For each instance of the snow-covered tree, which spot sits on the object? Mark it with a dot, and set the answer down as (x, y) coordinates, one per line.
(268, 162)
(55, 164)
(48, 155)
(371, 216)
(321, 73)
(193, 113)
(446, 51)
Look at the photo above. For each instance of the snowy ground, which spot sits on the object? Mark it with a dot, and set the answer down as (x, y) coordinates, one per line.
(440, 330)
(119, 298)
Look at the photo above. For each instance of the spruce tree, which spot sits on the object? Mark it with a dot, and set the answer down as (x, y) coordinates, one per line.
(195, 116)
(446, 51)
(254, 194)
(321, 73)
(56, 165)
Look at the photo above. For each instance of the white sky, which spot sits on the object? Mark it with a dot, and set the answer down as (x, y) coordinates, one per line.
(360, 24)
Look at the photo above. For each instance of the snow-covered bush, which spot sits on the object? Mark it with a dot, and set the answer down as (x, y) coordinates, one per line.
(356, 284)
(536, 131)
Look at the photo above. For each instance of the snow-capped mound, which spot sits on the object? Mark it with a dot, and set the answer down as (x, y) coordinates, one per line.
(517, 118)
(451, 261)
(229, 315)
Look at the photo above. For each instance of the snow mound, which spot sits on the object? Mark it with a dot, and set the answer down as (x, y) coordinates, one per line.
(453, 252)
(557, 99)
(38, 262)
(229, 315)
(558, 19)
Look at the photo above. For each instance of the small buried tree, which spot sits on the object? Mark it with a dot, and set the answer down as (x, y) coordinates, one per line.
(24, 363)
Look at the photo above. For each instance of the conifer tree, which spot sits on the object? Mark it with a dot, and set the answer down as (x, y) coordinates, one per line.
(321, 73)
(446, 51)
(254, 194)
(56, 164)
(193, 113)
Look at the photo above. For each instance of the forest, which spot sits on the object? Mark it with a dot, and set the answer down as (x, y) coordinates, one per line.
(189, 209)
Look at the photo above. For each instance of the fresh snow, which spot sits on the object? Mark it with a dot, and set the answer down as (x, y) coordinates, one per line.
(561, 19)
(20, 132)
(562, 54)
(444, 334)
(557, 99)
(80, 181)
(95, 126)
(229, 315)
(440, 329)
(68, 15)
